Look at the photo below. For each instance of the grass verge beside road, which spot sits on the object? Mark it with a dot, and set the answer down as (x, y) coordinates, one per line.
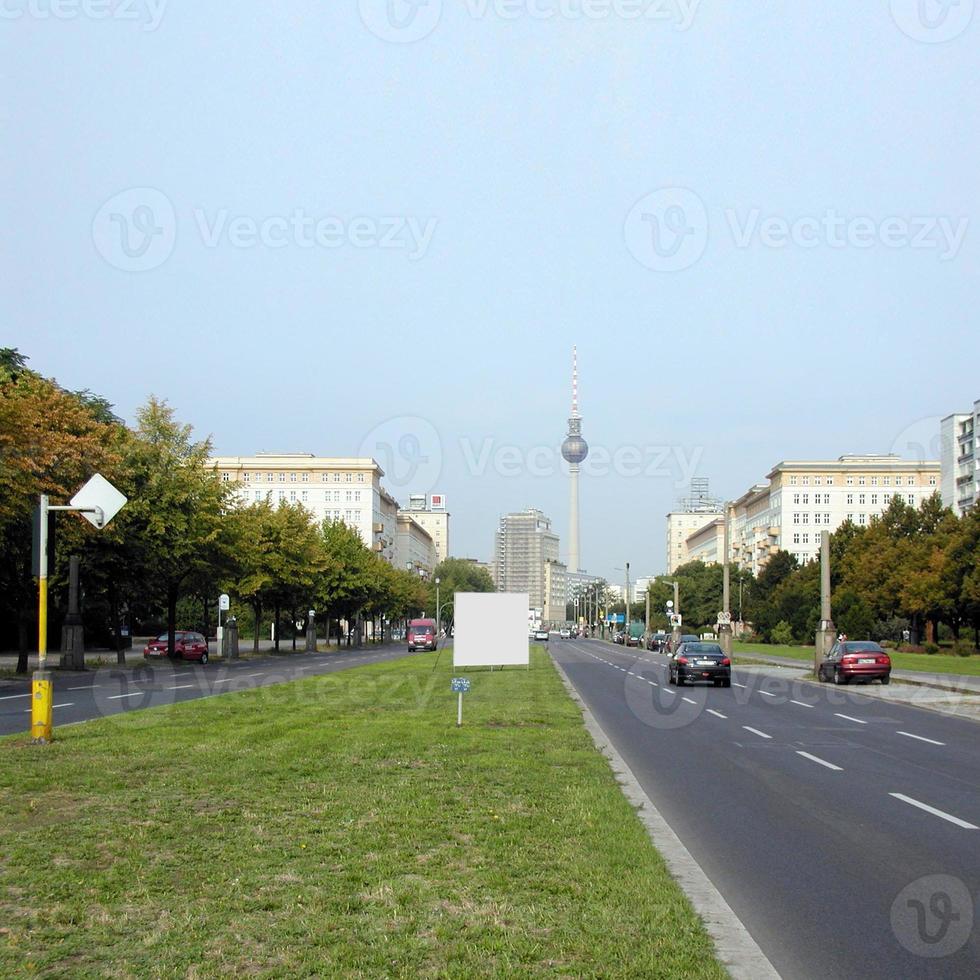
(340, 825)
(937, 663)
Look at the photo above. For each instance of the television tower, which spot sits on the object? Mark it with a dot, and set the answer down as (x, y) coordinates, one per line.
(574, 450)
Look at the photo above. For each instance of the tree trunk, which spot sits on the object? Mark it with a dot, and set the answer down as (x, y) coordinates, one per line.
(276, 621)
(116, 631)
(257, 613)
(293, 614)
(207, 618)
(172, 596)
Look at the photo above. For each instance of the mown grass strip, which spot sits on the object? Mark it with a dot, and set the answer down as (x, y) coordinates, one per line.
(337, 826)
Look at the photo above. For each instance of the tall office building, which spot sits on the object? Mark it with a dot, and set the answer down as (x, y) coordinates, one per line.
(960, 461)
(430, 512)
(524, 545)
(574, 450)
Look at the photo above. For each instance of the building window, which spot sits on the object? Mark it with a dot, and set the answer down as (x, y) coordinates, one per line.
(888, 481)
(806, 538)
(861, 481)
(817, 481)
(932, 481)
(357, 496)
(270, 477)
(282, 477)
(886, 498)
(336, 478)
(306, 496)
(912, 499)
(861, 498)
(792, 481)
(806, 518)
(806, 481)
(348, 478)
(850, 517)
(874, 481)
(292, 496)
(225, 477)
(348, 496)
(796, 518)
(258, 494)
(292, 477)
(282, 494)
(806, 498)
(850, 481)
(874, 500)
(910, 482)
(246, 477)
(360, 477)
(826, 498)
(862, 519)
(306, 477)
(796, 498)
(850, 498)
(796, 537)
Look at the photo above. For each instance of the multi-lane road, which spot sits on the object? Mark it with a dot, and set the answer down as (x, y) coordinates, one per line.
(842, 830)
(112, 691)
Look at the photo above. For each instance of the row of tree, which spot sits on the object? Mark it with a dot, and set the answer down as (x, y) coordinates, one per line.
(909, 569)
(181, 535)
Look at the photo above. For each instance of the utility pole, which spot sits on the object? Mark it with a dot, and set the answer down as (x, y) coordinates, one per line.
(725, 619)
(627, 636)
(437, 612)
(827, 631)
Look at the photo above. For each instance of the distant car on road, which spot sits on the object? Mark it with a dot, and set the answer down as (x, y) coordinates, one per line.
(656, 641)
(565, 634)
(855, 660)
(187, 646)
(541, 636)
(619, 637)
(685, 638)
(695, 661)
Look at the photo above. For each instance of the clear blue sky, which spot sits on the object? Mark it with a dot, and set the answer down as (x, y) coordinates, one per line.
(519, 148)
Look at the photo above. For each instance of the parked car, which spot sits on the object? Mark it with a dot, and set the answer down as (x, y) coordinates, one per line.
(541, 636)
(421, 635)
(565, 634)
(619, 637)
(855, 660)
(696, 661)
(187, 646)
(656, 641)
(685, 638)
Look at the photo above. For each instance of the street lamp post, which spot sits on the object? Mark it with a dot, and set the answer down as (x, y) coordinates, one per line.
(437, 610)
(725, 619)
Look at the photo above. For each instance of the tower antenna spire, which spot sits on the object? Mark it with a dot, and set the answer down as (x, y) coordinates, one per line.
(575, 414)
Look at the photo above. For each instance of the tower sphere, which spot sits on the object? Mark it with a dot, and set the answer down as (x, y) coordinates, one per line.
(574, 449)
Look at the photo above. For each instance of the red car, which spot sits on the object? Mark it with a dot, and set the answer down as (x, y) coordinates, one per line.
(855, 659)
(187, 646)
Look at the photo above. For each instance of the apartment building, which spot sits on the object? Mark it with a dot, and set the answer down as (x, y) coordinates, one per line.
(707, 544)
(960, 461)
(524, 542)
(335, 489)
(803, 498)
(415, 549)
(681, 525)
(430, 512)
(555, 606)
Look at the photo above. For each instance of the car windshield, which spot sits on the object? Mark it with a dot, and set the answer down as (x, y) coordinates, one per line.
(864, 647)
(703, 649)
(164, 638)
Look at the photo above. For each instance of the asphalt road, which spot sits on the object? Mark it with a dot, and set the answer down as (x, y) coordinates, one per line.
(842, 830)
(111, 691)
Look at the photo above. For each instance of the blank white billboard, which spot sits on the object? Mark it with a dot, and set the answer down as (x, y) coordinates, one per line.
(490, 629)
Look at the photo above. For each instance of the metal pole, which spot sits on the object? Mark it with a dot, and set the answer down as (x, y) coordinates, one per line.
(677, 597)
(648, 607)
(459, 711)
(725, 629)
(626, 638)
(437, 616)
(42, 699)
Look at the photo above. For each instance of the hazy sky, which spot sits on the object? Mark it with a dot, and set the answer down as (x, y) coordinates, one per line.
(379, 227)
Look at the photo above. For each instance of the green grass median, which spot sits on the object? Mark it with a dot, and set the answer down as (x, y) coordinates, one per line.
(337, 826)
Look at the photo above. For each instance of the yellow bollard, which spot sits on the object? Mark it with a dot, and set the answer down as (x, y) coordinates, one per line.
(42, 702)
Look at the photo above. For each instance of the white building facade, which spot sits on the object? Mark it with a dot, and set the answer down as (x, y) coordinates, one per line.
(960, 461)
(335, 489)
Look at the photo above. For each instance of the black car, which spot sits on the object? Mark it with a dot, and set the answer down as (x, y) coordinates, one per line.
(657, 641)
(696, 661)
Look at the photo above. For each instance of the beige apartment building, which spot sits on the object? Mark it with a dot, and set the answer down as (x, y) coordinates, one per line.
(335, 489)
(681, 525)
(802, 498)
(414, 548)
(430, 512)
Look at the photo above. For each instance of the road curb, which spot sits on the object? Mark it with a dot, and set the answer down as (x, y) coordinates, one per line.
(737, 951)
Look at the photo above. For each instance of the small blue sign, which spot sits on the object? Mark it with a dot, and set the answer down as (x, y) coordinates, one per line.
(616, 618)
(460, 685)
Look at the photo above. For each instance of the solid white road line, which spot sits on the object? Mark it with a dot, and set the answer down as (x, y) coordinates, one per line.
(180, 687)
(849, 718)
(717, 714)
(920, 738)
(755, 731)
(802, 704)
(813, 758)
(934, 811)
(118, 697)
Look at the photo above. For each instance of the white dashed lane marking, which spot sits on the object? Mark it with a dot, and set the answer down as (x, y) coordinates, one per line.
(822, 762)
(936, 813)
